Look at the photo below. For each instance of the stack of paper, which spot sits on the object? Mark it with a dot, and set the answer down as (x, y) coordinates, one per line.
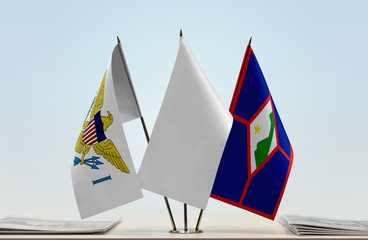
(43, 226)
(322, 226)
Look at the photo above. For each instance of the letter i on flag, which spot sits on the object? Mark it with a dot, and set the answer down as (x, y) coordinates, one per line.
(103, 174)
(257, 159)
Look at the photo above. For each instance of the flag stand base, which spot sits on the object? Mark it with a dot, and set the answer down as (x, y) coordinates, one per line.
(182, 231)
(186, 230)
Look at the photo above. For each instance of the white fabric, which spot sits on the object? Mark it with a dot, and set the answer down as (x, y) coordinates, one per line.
(188, 138)
(123, 187)
(127, 101)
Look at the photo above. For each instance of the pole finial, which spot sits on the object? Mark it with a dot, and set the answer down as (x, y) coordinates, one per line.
(250, 41)
(118, 39)
(181, 33)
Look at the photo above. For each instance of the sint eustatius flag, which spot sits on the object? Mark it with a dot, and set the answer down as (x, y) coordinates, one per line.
(258, 156)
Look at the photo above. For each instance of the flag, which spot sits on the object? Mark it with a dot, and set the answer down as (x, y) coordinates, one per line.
(188, 137)
(257, 159)
(103, 174)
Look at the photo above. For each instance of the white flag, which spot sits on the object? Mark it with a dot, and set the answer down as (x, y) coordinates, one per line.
(188, 138)
(103, 173)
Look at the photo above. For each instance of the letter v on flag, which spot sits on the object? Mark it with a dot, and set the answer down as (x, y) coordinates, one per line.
(258, 156)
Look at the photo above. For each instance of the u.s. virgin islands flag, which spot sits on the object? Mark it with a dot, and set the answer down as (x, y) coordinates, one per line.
(103, 173)
(257, 158)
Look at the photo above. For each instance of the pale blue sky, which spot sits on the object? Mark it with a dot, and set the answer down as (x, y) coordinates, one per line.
(312, 53)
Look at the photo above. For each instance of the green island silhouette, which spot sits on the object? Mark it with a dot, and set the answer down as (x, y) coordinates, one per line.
(263, 146)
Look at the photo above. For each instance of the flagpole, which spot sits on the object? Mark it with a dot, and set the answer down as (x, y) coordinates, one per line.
(185, 218)
(145, 129)
(185, 205)
(199, 220)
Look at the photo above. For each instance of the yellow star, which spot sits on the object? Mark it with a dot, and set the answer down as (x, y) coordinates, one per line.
(257, 129)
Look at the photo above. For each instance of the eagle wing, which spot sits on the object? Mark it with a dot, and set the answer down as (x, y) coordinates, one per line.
(110, 153)
(79, 145)
(99, 98)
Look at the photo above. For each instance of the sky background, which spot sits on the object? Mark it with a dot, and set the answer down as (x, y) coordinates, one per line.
(313, 55)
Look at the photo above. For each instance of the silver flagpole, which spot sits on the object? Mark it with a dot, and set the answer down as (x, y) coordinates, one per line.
(185, 205)
(145, 129)
(199, 220)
